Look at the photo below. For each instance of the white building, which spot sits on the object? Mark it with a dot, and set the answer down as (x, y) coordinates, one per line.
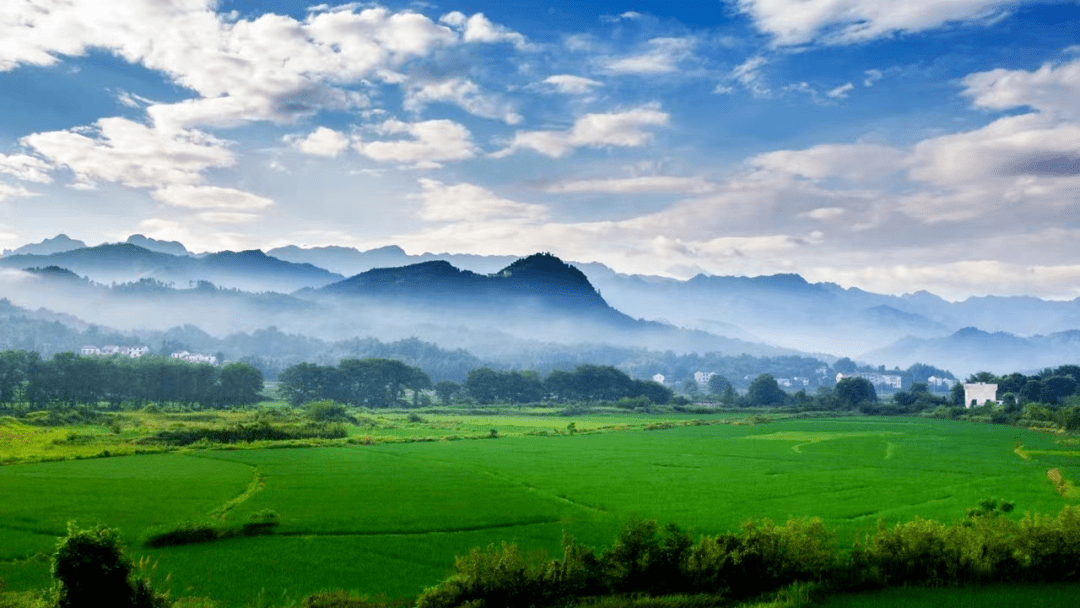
(184, 355)
(935, 381)
(980, 393)
(889, 380)
(702, 378)
(108, 351)
(658, 378)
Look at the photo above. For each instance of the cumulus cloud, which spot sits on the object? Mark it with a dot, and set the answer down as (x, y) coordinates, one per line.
(432, 142)
(463, 93)
(662, 57)
(323, 142)
(470, 203)
(129, 153)
(1016, 146)
(625, 129)
(272, 67)
(479, 28)
(849, 161)
(9, 191)
(793, 22)
(25, 168)
(210, 197)
(572, 85)
(1052, 89)
(634, 185)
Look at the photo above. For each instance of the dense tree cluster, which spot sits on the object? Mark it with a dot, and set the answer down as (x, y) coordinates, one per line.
(377, 383)
(583, 383)
(68, 380)
(1048, 399)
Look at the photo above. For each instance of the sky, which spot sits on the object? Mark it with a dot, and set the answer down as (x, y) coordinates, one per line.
(892, 146)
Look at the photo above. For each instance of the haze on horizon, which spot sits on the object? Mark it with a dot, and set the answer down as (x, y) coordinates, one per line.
(933, 144)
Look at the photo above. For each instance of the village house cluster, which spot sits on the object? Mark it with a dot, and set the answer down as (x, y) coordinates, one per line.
(112, 350)
(195, 357)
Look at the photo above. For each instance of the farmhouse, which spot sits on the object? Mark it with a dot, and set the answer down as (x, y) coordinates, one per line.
(889, 380)
(980, 393)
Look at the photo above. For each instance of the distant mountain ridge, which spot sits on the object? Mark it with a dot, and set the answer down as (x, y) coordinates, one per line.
(124, 262)
(784, 312)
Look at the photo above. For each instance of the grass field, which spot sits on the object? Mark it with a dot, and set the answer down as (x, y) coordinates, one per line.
(389, 517)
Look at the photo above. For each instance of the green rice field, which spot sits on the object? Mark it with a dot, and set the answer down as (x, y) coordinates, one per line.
(390, 517)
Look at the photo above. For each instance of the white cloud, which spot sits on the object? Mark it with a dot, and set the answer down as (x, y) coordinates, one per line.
(824, 213)
(792, 22)
(1019, 153)
(841, 91)
(872, 76)
(8, 191)
(433, 142)
(25, 168)
(634, 185)
(663, 57)
(470, 203)
(850, 161)
(211, 197)
(226, 217)
(126, 152)
(1052, 89)
(749, 75)
(271, 67)
(591, 130)
(463, 93)
(479, 28)
(572, 85)
(323, 142)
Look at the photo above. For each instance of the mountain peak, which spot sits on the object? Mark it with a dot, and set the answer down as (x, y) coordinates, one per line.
(151, 244)
(57, 244)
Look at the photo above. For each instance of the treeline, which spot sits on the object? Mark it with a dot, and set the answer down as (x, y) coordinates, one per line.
(28, 380)
(377, 383)
(649, 560)
(381, 383)
(583, 383)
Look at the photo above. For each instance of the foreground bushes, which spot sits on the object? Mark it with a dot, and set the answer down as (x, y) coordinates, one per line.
(764, 557)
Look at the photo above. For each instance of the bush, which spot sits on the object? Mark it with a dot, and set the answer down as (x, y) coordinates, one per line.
(90, 569)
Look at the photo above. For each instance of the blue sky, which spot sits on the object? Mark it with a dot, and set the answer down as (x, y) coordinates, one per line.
(929, 144)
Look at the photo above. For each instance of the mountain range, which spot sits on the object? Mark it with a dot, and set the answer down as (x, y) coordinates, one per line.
(494, 302)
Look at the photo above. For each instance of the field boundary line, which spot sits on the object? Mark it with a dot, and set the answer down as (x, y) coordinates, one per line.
(258, 482)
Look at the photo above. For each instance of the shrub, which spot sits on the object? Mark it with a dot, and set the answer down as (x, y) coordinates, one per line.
(90, 569)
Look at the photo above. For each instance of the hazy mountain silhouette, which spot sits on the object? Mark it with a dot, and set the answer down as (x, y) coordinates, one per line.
(970, 350)
(57, 244)
(169, 247)
(539, 297)
(350, 261)
(124, 262)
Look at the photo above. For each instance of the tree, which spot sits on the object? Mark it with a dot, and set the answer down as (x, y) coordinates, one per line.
(446, 390)
(845, 365)
(483, 385)
(241, 384)
(306, 382)
(719, 385)
(855, 391)
(91, 570)
(764, 391)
